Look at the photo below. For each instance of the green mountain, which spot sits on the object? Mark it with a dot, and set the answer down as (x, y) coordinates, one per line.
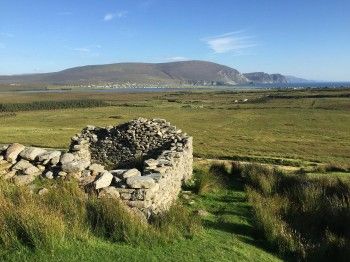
(186, 72)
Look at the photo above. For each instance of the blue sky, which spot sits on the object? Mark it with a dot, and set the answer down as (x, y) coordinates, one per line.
(306, 38)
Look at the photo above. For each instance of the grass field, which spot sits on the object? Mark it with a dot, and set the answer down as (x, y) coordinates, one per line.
(297, 127)
(300, 131)
(228, 235)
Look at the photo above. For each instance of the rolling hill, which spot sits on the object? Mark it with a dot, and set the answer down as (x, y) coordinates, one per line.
(188, 72)
(173, 73)
(264, 78)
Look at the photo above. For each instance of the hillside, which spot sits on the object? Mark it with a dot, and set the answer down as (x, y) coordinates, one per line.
(293, 79)
(187, 72)
(264, 78)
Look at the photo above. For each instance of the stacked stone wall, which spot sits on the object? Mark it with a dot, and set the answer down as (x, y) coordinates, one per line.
(143, 163)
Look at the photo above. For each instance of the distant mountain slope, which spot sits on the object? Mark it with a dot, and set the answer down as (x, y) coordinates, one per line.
(188, 72)
(293, 79)
(264, 78)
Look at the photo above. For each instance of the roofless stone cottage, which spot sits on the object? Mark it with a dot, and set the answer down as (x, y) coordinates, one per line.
(142, 162)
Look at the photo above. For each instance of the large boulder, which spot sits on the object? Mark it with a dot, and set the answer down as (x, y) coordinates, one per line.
(13, 151)
(47, 156)
(31, 153)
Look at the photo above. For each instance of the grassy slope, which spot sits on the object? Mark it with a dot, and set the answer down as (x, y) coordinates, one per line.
(281, 129)
(228, 236)
(302, 128)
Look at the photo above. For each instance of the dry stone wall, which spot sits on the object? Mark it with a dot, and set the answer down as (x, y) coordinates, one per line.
(142, 162)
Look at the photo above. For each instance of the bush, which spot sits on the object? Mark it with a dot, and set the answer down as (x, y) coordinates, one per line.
(303, 217)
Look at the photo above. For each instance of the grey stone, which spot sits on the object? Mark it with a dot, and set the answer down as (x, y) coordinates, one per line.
(41, 168)
(109, 192)
(96, 168)
(151, 163)
(55, 160)
(104, 180)
(66, 158)
(86, 173)
(31, 153)
(22, 165)
(202, 213)
(43, 191)
(23, 180)
(131, 173)
(32, 171)
(86, 180)
(140, 182)
(75, 166)
(125, 196)
(9, 175)
(13, 151)
(62, 174)
(49, 155)
(49, 175)
(116, 180)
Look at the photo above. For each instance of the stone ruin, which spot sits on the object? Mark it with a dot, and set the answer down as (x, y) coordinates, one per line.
(142, 162)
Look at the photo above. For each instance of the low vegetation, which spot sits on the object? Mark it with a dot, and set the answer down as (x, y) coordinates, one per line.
(248, 212)
(51, 105)
(302, 218)
(30, 221)
(305, 218)
(64, 225)
(294, 132)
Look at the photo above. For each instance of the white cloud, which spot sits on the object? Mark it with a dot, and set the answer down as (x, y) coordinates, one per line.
(87, 51)
(111, 16)
(177, 58)
(230, 42)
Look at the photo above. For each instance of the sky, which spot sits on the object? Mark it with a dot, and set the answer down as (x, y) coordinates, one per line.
(304, 38)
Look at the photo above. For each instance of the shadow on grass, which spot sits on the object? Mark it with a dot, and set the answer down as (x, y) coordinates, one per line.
(234, 215)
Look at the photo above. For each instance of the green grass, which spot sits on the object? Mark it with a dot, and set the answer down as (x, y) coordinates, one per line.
(227, 233)
(295, 131)
(304, 218)
(305, 129)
